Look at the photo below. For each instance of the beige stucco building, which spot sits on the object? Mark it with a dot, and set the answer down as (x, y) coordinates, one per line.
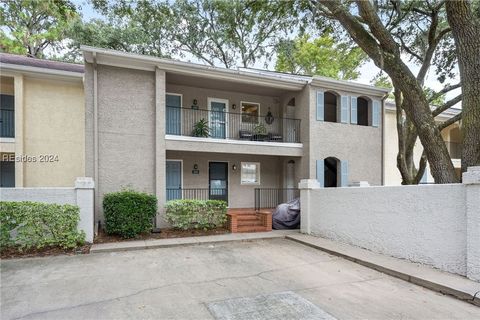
(451, 136)
(182, 130)
(42, 142)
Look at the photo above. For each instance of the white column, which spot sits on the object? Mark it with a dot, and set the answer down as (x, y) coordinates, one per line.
(306, 186)
(84, 189)
(471, 180)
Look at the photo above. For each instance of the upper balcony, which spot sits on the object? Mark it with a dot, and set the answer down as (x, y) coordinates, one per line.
(216, 130)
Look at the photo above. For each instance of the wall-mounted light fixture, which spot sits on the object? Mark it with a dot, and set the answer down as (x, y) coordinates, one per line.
(269, 117)
(195, 169)
(195, 104)
(234, 167)
(234, 106)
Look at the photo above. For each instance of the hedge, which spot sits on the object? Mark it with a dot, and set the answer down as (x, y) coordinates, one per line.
(129, 213)
(196, 214)
(27, 225)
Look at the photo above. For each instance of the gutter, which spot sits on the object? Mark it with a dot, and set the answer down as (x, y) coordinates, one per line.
(95, 129)
(39, 71)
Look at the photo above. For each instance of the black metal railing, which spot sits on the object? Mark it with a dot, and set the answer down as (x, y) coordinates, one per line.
(7, 123)
(197, 193)
(229, 125)
(272, 197)
(454, 149)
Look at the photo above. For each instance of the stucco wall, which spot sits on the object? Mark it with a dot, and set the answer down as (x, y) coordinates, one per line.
(201, 94)
(361, 146)
(54, 124)
(80, 195)
(425, 223)
(240, 196)
(126, 134)
(392, 175)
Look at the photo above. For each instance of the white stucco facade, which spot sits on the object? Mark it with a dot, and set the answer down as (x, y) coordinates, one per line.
(437, 225)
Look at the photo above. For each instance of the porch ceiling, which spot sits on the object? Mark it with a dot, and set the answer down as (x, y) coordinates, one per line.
(233, 84)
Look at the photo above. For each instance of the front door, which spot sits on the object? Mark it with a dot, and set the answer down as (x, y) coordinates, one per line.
(218, 181)
(173, 123)
(174, 179)
(218, 118)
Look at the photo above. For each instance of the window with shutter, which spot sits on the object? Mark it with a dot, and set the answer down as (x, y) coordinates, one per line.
(320, 106)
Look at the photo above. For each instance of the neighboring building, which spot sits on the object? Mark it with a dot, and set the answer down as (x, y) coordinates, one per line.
(42, 122)
(451, 136)
(146, 119)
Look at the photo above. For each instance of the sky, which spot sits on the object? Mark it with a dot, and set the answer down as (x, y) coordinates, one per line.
(367, 71)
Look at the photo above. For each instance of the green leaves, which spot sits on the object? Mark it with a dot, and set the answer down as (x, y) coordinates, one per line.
(37, 225)
(324, 56)
(129, 213)
(196, 214)
(32, 26)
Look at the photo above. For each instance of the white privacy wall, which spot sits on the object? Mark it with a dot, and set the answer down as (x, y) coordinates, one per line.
(81, 195)
(425, 223)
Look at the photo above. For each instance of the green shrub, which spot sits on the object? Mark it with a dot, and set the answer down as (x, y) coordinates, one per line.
(129, 213)
(196, 214)
(37, 225)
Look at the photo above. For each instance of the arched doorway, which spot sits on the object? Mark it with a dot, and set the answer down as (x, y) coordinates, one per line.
(331, 166)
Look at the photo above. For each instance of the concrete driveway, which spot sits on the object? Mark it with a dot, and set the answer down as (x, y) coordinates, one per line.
(268, 279)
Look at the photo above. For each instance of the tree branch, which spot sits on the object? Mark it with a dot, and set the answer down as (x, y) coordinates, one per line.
(447, 105)
(450, 121)
(444, 90)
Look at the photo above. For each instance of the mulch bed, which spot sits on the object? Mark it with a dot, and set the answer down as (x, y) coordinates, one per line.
(12, 252)
(163, 234)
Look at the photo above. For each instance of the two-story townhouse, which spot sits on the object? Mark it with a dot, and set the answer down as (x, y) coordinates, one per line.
(42, 122)
(183, 130)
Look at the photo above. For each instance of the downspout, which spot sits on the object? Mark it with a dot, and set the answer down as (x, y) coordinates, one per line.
(383, 138)
(95, 130)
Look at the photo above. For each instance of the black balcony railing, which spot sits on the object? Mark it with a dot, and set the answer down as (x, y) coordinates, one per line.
(229, 125)
(7, 123)
(197, 193)
(454, 149)
(272, 197)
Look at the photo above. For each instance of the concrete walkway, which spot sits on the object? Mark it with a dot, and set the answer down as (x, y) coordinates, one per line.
(173, 242)
(434, 279)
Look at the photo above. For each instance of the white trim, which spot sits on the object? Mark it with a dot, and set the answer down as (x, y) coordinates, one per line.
(38, 71)
(259, 174)
(181, 173)
(348, 86)
(144, 62)
(228, 179)
(226, 102)
(239, 142)
(7, 140)
(181, 106)
(241, 112)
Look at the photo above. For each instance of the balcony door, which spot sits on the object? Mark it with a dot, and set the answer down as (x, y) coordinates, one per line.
(174, 179)
(218, 181)
(218, 117)
(173, 123)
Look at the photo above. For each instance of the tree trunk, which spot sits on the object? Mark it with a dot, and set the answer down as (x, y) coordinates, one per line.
(466, 32)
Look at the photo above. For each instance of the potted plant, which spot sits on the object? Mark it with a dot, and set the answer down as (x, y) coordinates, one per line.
(260, 132)
(201, 129)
